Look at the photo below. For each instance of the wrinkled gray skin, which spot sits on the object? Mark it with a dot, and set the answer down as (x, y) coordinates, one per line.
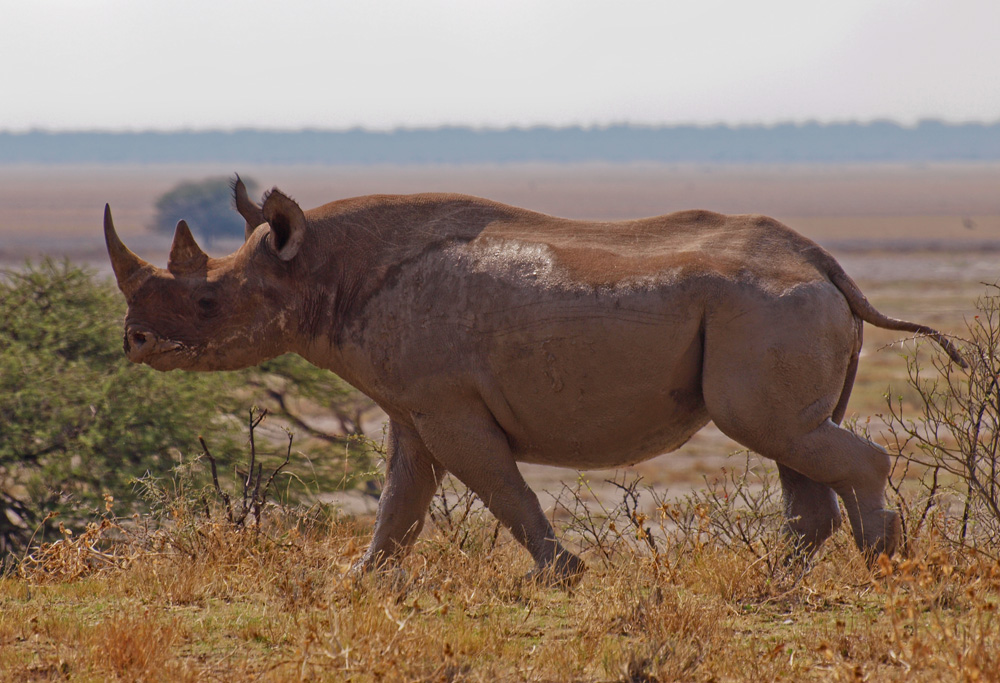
(492, 335)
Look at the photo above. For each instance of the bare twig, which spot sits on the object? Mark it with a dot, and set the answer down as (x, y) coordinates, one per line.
(215, 480)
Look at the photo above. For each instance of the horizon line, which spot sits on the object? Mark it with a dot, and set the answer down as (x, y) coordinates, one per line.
(805, 123)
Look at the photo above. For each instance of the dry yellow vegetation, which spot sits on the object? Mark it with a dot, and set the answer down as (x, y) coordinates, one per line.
(197, 599)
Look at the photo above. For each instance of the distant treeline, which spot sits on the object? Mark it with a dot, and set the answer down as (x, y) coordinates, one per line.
(785, 143)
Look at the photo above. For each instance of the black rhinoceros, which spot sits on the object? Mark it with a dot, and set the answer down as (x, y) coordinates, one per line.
(492, 335)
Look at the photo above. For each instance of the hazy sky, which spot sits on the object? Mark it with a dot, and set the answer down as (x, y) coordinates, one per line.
(140, 64)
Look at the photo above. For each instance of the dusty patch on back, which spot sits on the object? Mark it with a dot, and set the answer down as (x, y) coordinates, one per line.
(511, 259)
(520, 262)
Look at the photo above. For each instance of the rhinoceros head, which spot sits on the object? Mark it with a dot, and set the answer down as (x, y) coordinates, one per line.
(203, 313)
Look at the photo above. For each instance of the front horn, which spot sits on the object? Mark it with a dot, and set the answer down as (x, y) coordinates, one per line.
(125, 264)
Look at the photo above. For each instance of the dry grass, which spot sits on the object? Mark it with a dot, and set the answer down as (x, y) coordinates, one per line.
(279, 606)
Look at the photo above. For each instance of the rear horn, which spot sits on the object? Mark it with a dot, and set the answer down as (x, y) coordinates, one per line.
(185, 254)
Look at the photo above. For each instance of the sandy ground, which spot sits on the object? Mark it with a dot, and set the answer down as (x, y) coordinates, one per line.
(61, 200)
(57, 210)
(919, 239)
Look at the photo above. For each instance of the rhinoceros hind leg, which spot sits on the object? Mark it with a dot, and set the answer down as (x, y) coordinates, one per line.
(475, 449)
(858, 471)
(566, 571)
(855, 468)
(411, 479)
(779, 390)
(812, 512)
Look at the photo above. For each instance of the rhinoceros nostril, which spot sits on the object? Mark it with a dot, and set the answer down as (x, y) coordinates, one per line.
(136, 341)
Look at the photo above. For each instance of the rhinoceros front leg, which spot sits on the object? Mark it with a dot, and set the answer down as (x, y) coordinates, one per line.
(411, 479)
(476, 450)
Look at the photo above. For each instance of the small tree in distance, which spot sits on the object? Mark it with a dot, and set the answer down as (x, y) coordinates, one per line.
(206, 205)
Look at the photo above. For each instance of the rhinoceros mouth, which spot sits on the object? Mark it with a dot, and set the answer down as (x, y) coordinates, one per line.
(143, 346)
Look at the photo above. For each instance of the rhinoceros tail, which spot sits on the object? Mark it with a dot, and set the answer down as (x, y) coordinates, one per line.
(863, 309)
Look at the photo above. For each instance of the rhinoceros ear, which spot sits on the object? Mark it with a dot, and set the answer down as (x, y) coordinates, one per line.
(244, 205)
(288, 224)
(185, 254)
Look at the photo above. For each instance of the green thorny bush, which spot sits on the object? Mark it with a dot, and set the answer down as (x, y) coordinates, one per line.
(79, 422)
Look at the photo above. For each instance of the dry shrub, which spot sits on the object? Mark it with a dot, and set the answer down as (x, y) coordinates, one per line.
(103, 546)
(731, 529)
(951, 443)
(459, 516)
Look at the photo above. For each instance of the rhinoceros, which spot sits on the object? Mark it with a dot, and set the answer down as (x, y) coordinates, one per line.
(492, 335)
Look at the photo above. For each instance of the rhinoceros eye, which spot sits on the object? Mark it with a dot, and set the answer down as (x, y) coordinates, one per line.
(208, 306)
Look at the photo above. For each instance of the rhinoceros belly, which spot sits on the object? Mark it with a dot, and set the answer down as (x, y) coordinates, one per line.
(593, 390)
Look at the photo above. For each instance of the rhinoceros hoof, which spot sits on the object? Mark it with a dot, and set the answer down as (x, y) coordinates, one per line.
(885, 539)
(565, 572)
(385, 575)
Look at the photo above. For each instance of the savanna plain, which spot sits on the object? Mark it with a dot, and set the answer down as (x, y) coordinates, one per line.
(228, 578)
